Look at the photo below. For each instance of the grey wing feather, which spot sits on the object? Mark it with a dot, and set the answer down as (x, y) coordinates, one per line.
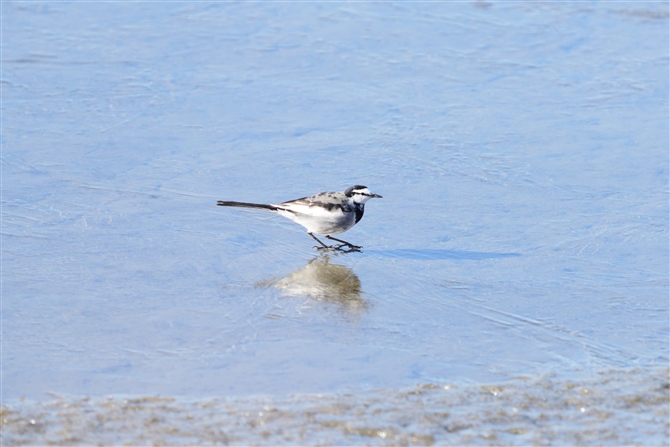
(322, 197)
(328, 200)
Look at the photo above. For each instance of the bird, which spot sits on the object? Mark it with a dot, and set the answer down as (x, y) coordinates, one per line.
(325, 213)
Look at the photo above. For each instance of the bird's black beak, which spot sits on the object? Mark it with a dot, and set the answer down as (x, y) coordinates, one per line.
(375, 196)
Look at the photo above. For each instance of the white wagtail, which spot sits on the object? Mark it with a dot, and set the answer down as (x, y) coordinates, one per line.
(325, 213)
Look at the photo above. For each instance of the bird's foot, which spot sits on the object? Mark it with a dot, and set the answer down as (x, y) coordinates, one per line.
(325, 248)
(349, 248)
(343, 248)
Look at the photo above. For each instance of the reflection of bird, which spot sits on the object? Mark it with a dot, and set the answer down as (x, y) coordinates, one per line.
(324, 281)
(325, 213)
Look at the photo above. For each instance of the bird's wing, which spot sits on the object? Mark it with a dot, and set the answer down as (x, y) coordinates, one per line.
(323, 198)
(328, 201)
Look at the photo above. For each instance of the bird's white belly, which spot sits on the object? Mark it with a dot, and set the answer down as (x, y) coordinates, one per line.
(323, 223)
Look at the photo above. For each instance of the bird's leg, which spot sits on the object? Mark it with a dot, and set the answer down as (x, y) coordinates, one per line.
(323, 246)
(352, 247)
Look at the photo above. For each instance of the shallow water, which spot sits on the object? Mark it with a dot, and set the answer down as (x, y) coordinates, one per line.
(521, 149)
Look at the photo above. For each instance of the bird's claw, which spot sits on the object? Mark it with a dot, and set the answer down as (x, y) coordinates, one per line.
(325, 248)
(350, 248)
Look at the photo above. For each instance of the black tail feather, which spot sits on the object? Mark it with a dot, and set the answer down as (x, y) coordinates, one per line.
(246, 205)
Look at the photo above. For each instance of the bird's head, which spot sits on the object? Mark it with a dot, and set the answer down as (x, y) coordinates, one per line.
(360, 194)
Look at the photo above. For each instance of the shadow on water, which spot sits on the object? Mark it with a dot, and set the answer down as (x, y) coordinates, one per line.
(432, 254)
(323, 281)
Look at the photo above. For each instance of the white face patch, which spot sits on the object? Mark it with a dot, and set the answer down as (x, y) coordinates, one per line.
(361, 195)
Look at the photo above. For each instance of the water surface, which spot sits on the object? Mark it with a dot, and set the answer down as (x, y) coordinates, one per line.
(521, 149)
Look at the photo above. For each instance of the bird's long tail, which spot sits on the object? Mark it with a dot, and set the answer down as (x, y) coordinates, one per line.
(247, 205)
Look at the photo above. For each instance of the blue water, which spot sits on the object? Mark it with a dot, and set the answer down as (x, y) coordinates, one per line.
(521, 149)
